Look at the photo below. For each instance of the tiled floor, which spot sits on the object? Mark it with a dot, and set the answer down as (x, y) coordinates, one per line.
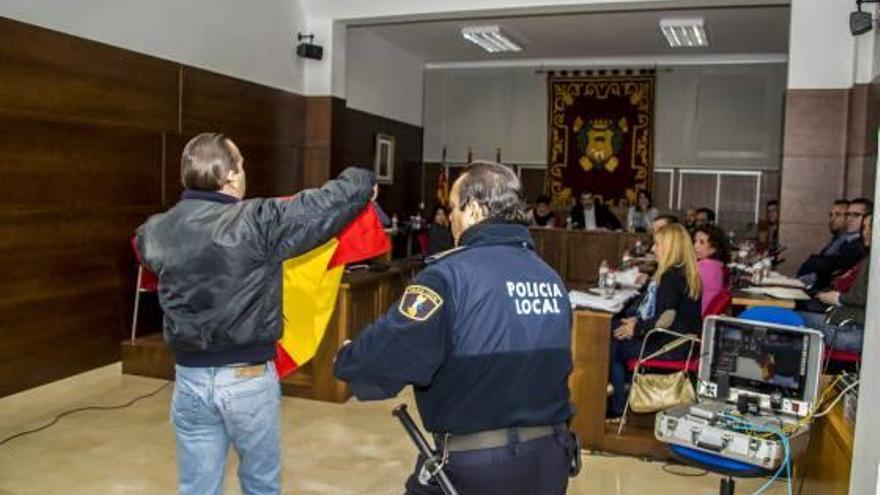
(353, 448)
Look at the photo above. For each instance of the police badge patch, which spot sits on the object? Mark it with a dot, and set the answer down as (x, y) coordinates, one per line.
(419, 303)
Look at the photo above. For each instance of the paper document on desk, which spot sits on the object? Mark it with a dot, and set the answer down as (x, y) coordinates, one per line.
(789, 293)
(629, 279)
(780, 280)
(613, 304)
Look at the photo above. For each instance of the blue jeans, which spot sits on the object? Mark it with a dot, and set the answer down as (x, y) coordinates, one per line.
(845, 338)
(213, 407)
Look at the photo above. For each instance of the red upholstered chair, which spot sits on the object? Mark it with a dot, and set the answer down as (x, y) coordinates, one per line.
(718, 306)
(147, 281)
(422, 239)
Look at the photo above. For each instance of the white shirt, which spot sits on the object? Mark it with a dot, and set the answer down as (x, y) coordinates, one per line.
(590, 218)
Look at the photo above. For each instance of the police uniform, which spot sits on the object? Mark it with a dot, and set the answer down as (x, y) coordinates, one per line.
(484, 336)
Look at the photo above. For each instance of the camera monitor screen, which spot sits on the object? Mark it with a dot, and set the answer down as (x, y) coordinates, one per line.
(761, 358)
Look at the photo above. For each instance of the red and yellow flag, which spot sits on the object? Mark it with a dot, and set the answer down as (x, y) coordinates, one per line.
(443, 187)
(311, 283)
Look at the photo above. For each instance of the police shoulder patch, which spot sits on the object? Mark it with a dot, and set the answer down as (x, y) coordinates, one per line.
(419, 303)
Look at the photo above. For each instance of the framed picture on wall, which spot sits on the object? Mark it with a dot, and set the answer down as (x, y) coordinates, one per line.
(384, 163)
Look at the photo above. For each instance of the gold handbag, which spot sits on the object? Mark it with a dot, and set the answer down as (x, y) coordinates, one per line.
(653, 392)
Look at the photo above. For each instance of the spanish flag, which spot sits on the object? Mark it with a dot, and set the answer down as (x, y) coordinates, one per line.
(443, 187)
(311, 283)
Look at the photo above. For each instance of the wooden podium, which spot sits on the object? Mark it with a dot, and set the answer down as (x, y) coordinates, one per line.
(577, 254)
(590, 347)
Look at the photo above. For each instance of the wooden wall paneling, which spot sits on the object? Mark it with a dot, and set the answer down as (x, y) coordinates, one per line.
(61, 77)
(58, 163)
(69, 274)
(358, 146)
(242, 110)
(90, 142)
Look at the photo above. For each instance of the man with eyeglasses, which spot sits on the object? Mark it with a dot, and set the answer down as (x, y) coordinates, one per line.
(845, 248)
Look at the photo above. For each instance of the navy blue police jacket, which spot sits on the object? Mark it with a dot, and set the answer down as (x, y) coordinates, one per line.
(483, 334)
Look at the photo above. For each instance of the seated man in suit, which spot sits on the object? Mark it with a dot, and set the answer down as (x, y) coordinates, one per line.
(845, 248)
(589, 214)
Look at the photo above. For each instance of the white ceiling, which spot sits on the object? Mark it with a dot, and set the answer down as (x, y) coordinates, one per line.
(735, 31)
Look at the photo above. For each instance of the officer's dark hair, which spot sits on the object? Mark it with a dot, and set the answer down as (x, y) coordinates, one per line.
(841, 202)
(206, 161)
(543, 199)
(494, 188)
(710, 214)
(867, 203)
(773, 202)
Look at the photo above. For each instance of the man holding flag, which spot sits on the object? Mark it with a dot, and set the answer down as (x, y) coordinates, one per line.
(219, 260)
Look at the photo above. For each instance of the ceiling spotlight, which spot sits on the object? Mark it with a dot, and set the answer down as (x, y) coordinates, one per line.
(489, 38)
(684, 33)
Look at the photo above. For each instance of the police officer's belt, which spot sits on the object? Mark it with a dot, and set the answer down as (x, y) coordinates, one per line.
(491, 439)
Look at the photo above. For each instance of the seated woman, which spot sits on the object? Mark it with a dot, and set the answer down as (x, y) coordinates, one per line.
(671, 301)
(847, 305)
(642, 214)
(439, 235)
(710, 246)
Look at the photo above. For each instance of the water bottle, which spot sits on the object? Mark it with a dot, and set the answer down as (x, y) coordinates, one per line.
(568, 223)
(604, 271)
(394, 222)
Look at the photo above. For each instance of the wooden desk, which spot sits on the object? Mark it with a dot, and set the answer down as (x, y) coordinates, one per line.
(827, 463)
(577, 254)
(363, 297)
(591, 342)
(747, 300)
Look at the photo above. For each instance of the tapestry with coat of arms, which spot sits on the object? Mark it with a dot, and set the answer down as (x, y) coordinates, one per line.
(601, 137)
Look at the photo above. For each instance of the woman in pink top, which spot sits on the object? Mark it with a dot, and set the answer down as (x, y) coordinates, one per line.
(712, 251)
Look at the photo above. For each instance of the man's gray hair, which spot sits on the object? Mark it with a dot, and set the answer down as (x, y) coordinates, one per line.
(495, 189)
(206, 161)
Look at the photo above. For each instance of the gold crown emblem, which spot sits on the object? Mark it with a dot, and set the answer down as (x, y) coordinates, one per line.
(600, 123)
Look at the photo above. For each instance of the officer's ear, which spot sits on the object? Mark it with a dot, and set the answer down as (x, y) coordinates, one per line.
(473, 213)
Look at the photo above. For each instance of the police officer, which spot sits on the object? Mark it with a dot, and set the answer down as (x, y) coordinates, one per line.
(484, 336)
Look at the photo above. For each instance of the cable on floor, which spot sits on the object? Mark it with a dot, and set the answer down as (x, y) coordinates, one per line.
(81, 409)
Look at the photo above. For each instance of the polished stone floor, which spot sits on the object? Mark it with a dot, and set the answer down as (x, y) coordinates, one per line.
(353, 448)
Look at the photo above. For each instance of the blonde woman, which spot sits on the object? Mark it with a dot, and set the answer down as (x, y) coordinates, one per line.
(671, 301)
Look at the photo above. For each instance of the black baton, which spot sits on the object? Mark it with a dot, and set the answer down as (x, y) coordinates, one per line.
(433, 465)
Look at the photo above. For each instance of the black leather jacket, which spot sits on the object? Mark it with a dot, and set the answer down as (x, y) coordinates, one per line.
(219, 264)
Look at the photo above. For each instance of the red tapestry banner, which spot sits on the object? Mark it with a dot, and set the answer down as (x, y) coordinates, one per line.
(601, 137)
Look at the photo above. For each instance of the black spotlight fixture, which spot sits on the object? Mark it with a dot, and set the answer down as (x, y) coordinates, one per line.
(861, 22)
(309, 49)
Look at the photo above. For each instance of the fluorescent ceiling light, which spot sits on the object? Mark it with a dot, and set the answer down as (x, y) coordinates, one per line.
(489, 38)
(685, 33)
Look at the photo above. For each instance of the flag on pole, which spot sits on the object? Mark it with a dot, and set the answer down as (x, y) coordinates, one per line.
(443, 183)
(311, 283)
